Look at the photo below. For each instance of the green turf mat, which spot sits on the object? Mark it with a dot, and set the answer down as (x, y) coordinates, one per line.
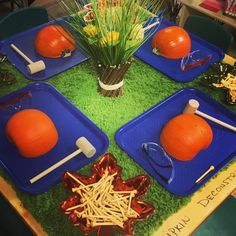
(144, 87)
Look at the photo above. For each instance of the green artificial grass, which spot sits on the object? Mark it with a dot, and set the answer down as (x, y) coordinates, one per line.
(144, 87)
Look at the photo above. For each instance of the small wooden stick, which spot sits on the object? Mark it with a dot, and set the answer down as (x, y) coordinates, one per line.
(211, 168)
(103, 223)
(102, 181)
(80, 214)
(96, 216)
(130, 199)
(73, 208)
(112, 211)
(104, 194)
(75, 179)
(124, 203)
(91, 204)
(118, 191)
(119, 208)
(151, 25)
(79, 188)
(121, 198)
(122, 212)
(113, 219)
(89, 186)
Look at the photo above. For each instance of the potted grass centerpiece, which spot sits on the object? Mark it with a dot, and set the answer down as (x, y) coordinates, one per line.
(110, 31)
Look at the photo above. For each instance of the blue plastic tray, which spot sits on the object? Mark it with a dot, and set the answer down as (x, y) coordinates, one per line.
(70, 124)
(25, 42)
(147, 128)
(171, 67)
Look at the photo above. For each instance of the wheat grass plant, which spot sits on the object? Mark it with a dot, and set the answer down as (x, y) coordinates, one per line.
(109, 32)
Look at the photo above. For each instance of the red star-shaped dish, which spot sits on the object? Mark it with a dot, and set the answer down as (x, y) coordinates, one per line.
(104, 201)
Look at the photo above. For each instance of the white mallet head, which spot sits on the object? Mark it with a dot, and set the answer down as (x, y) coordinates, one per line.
(85, 146)
(36, 67)
(191, 107)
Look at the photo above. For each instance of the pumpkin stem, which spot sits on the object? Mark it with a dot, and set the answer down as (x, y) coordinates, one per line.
(156, 51)
(66, 53)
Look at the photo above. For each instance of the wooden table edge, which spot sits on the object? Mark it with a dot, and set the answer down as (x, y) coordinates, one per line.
(9, 193)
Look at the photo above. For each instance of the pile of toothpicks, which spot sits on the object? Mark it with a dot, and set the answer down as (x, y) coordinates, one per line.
(101, 205)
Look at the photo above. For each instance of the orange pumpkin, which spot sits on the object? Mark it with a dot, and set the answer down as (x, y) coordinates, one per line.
(32, 131)
(53, 41)
(172, 42)
(184, 136)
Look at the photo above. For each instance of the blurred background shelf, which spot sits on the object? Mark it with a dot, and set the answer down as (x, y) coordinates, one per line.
(191, 7)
